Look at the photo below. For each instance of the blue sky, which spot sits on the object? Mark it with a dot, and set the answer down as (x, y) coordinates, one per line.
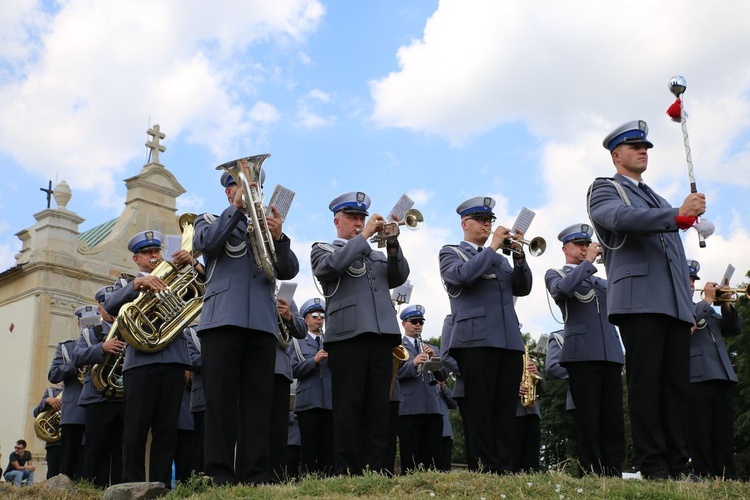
(443, 100)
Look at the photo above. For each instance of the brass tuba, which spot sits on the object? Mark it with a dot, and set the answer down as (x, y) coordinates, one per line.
(47, 424)
(529, 381)
(246, 171)
(152, 321)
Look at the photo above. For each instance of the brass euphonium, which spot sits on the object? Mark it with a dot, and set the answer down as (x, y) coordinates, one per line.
(152, 321)
(107, 375)
(529, 381)
(400, 355)
(246, 171)
(47, 424)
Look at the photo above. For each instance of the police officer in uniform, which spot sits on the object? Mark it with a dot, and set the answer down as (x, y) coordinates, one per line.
(313, 398)
(238, 334)
(591, 353)
(420, 417)
(485, 338)
(362, 331)
(50, 402)
(73, 421)
(104, 416)
(152, 382)
(712, 382)
(648, 298)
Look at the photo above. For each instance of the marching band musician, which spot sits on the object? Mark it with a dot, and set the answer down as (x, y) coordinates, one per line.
(528, 435)
(314, 400)
(458, 394)
(591, 354)
(712, 381)
(238, 334)
(102, 464)
(485, 339)
(73, 421)
(648, 298)
(50, 401)
(152, 381)
(447, 403)
(420, 421)
(554, 369)
(279, 433)
(197, 398)
(362, 331)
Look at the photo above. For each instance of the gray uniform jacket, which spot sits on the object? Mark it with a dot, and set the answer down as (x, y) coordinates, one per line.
(63, 369)
(197, 398)
(582, 298)
(446, 403)
(88, 352)
(449, 361)
(298, 330)
(49, 392)
(314, 387)
(552, 364)
(237, 292)
(481, 291)
(647, 274)
(358, 304)
(175, 352)
(709, 359)
(418, 397)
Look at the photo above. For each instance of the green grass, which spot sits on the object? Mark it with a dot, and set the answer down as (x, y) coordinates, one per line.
(457, 484)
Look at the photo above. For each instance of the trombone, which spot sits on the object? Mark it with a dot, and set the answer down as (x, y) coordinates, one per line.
(413, 219)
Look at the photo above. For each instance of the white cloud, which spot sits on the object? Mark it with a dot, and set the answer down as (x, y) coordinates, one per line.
(179, 62)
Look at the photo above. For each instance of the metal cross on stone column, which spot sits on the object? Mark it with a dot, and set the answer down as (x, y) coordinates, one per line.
(49, 192)
(154, 145)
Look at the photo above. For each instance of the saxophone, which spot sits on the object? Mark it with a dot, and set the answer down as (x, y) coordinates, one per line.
(47, 424)
(529, 381)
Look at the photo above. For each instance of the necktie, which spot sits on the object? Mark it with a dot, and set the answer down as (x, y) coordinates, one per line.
(648, 192)
(317, 341)
(479, 249)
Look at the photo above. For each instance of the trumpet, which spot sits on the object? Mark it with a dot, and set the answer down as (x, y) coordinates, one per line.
(728, 294)
(413, 219)
(537, 246)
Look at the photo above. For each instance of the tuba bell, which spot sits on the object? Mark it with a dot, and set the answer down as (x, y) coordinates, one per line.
(152, 321)
(246, 171)
(47, 424)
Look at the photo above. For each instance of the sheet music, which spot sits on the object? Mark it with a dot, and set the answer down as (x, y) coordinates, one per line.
(402, 294)
(282, 200)
(172, 244)
(402, 205)
(523, 221)
(286, 291)
(542, 344)
(727, 275)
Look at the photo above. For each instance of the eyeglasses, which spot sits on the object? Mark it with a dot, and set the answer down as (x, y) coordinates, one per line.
(416, 321)
(18, 447)
(581, 243)
(318, 315)
(483, 219)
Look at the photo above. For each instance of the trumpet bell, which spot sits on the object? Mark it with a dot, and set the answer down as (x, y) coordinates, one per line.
(537, 246)
(413, 219)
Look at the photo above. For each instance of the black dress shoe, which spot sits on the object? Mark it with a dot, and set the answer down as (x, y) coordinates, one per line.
(658, 475)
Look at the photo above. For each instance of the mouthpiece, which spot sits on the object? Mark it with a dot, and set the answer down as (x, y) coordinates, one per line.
(155, 261)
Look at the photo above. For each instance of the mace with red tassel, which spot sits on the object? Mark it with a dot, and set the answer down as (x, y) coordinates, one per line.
(678, 85)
